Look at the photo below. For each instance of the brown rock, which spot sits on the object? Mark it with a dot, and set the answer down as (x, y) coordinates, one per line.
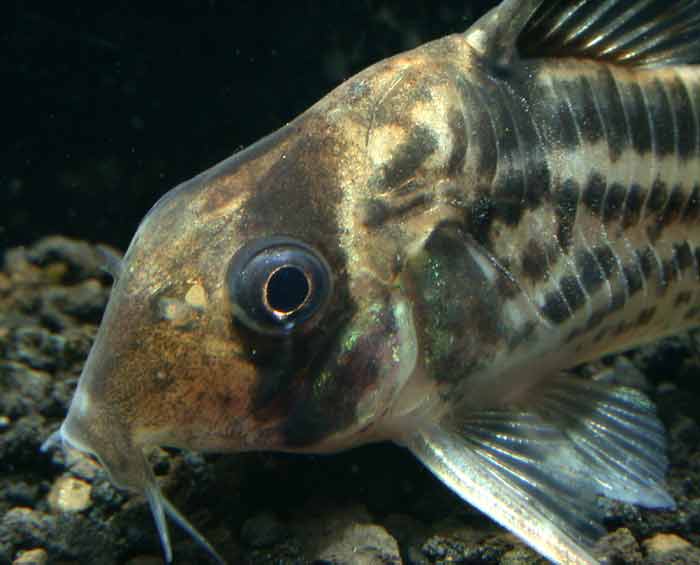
(664, 543)
(362, 544)
(670, 549)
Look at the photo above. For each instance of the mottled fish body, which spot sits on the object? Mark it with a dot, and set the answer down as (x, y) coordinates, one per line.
(584, 221)
(591, 206)
(419, 258)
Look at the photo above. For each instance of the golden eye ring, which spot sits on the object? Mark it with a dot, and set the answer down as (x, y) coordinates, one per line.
(287, 290)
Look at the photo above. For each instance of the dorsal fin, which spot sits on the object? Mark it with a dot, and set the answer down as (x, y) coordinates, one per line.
(640, 33)
(494, 35)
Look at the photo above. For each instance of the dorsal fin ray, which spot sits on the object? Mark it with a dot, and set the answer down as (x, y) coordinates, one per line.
(493, 35)
(642, 33)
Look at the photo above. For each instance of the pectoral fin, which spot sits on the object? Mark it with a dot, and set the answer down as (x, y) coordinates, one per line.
(615, 433)
(520, 482)
(538, 469)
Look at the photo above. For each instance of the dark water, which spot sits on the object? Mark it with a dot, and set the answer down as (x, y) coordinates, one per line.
(110, 104)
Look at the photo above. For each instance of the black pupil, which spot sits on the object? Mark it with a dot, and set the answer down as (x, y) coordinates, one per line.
(287, 289)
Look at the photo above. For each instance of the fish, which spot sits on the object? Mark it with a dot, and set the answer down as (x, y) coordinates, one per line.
(424, 257)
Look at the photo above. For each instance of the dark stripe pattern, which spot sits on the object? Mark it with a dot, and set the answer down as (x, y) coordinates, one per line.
(527, 126)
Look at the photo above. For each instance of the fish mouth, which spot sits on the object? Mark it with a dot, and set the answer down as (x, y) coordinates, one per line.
(90, 429)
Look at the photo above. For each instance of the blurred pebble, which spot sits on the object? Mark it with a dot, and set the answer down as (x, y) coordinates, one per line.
(25, 387)
(27, 525)
(81, 259)
(36, 347)
(451, 549)
(361, 544)
(69, 494)
(32, 557)
(21, 493)
(670, 549)
(664, 543)
(620, 546)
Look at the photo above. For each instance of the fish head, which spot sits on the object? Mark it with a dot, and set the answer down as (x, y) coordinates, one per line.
(249, 313)
(262, 305)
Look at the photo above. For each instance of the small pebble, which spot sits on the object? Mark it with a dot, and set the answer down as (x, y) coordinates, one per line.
(663, 543)
(522, 556)
(620, 546)
(69, 494)
(362, 544)
(32, 557)
(670, 549)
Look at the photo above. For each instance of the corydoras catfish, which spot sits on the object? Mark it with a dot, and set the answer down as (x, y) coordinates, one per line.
(421, 257)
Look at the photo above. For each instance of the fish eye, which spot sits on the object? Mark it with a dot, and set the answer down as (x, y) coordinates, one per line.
(278, 285)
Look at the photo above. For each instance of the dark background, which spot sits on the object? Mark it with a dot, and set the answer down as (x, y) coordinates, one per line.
(107, 105)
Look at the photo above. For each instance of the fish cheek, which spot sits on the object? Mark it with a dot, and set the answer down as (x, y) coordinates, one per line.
(166, 368)
(351, 388)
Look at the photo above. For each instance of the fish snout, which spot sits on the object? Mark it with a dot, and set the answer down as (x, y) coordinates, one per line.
(92, 428)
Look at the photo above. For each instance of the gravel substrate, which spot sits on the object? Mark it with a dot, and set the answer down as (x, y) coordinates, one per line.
(374, 505)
